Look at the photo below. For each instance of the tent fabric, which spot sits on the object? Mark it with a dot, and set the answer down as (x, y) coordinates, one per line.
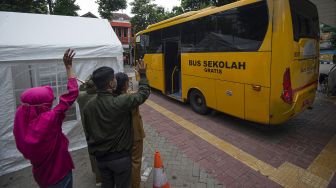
(31, 58)
(34, 36)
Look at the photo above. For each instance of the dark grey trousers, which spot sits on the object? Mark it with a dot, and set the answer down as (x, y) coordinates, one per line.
(116, 173)
(66, 182)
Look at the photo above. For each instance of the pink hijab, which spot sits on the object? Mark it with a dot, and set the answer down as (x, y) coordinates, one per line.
(38, 132)
(34, 102)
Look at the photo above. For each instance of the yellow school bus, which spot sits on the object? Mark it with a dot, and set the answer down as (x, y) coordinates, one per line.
(253, 59)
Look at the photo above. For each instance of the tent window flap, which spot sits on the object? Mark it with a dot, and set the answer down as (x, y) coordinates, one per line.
(26, 76)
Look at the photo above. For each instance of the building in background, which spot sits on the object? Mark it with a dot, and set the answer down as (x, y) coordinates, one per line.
(121, 24)
(327, 17)
(89, 15)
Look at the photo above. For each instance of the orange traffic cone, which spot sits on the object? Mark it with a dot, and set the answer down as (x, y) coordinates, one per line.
(160, 178)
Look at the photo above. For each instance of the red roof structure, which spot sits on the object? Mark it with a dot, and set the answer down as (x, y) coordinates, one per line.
(123, 28)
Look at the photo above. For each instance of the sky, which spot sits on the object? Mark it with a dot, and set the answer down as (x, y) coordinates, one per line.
(91, 6)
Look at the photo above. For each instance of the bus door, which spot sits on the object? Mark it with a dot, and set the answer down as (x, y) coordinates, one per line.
(172, 68)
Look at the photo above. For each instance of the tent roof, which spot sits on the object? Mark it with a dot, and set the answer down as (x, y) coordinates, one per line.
(35, 36)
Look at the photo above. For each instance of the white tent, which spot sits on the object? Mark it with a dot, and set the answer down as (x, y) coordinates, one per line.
(31, 51)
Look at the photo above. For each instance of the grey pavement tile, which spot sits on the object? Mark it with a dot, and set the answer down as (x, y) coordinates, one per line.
(196, 170)
(210, 183)
(180, 170)
(200, 185)
(203, 176)
(219, 186)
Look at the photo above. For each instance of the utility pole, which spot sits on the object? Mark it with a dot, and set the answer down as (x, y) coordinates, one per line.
(130, 46)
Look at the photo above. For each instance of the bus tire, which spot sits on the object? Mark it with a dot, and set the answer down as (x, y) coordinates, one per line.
(197, 102)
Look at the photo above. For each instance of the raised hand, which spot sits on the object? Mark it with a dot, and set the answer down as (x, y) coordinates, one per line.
(141, 66)
(67, 58)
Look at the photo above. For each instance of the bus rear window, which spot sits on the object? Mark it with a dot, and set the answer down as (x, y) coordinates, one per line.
(304, 19)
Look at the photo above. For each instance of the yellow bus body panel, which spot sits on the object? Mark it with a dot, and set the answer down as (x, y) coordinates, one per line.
(286, 53)
(206, 85)
(155, 70)
(216, 87)
(230, 98)
(257, 66)
(257, 104)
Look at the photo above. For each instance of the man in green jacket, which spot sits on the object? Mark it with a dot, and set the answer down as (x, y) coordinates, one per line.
(108, 125)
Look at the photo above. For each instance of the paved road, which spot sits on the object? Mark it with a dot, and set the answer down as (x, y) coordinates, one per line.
(218, 150)
(301, 152)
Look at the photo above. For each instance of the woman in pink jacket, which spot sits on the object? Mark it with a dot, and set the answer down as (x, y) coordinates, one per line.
(38, 131)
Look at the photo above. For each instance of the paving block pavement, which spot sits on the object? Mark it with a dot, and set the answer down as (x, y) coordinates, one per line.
(180, 170)
(293, 147)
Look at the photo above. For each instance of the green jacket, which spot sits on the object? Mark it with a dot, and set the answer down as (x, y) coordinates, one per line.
(108, 120)
(85, 95)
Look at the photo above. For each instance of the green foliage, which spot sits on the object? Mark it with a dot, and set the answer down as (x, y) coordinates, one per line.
(146, 13)
(27, 6)
(106, 7)
(177, 10)
(65, 7)
(222, 2)
(189, 5)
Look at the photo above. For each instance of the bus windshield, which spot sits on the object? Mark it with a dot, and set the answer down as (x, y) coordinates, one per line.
(141, 43)
(304, 19)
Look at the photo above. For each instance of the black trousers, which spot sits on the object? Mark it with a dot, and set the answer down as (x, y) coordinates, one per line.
(116, 172)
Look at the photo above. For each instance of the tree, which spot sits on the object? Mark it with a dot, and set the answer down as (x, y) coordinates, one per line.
(27, 6)
(189, 5)
(106, 7)
(176, 10)
(65, 7)
(222, 2)
(146, 13)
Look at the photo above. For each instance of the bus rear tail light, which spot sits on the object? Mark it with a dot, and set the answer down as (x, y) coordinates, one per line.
(287, 94)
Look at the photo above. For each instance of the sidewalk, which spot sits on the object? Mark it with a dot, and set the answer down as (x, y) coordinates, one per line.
(180, 170)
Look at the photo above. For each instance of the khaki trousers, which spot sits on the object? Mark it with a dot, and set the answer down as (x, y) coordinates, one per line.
(137, 150)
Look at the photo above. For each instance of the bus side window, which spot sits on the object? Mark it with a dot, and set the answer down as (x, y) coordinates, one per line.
(171, 32)
(250, 26)
(205, 34)
(237, 29)
(155, 42)
(304, 20)
(225, 31)
(188, 36)
(199, 35)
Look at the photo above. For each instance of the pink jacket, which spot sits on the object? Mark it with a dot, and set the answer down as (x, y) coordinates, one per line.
(38, 132)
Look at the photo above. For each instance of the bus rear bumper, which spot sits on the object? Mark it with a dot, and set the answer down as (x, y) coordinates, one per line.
(304, 99)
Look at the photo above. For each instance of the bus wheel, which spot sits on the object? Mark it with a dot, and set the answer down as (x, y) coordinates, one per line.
(197, 102)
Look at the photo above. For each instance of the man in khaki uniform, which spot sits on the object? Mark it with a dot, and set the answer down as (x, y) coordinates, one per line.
(138, 132)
